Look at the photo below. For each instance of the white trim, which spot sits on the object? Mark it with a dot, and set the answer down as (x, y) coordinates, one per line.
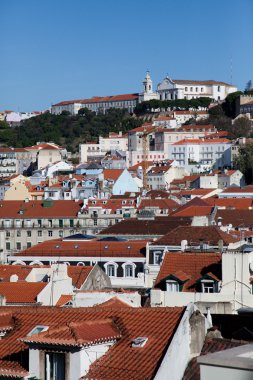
(115, 265)
(133, 269)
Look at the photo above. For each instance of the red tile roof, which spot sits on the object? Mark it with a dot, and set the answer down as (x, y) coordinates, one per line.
(6, 321)
(35, 209)
(189, 268)
(21, 292)
(157, 324)
(64, 298)
(200, 127)
(112, 174)
(99, 99)
(77, 334)
(208, 234)
(211, 345)
(79, 274)
(93, 248)
(246, 189)
(11, 369)
(22, 271)
(202, 141)
(162, 204)
(114, 302)
(194, 211)
(238, 218)
(138, 227)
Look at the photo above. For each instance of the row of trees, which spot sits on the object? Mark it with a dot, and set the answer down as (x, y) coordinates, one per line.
(185, 104)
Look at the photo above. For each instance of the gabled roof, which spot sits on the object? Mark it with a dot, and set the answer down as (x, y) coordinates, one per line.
(114, 302)
(189, 268)
(79, 274)
(21, 292)
(77, 334)
(208, 82)
(208, 234)
(157, 324)
(192, 208)
(112, 174)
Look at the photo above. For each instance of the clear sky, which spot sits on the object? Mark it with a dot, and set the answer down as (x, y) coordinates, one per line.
(53, 50)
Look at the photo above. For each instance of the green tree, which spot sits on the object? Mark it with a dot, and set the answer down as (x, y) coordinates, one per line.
(230, 102)
(244, 161)
(4, 124)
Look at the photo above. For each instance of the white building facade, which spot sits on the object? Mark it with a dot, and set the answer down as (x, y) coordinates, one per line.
(172, 89)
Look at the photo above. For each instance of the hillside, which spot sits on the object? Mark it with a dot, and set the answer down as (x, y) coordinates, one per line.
(66, 130)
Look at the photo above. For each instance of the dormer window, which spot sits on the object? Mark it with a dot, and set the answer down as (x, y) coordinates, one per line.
(172, 286)
(207, 286)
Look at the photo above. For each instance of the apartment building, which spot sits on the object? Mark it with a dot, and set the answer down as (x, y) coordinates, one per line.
(96, 152)
(206, 154)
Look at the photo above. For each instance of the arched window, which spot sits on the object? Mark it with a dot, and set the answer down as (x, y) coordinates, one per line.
(129, 269)
(111, 269)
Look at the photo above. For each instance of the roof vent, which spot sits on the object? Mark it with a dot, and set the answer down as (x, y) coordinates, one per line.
(57, 246)
(139, 342)
(76, 246)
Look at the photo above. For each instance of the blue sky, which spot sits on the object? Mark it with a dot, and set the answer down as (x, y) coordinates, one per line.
(55, 50)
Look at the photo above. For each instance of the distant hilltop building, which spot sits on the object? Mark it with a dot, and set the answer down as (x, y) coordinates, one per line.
(171, 89)
(168, 89)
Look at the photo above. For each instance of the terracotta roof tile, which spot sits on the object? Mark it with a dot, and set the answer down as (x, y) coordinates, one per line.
(11, 369)
(189, 268)
(92, 248)
(64, 299)
(79, 274)
(114, 302)
(238, 218)
(192, 371)
(35, 209)
(112, 174)
(162, 204)
(202, 141)
(159, 226)
(209, 234)
(157, 324)
(237, 203)
(77, 334)
(21, 292)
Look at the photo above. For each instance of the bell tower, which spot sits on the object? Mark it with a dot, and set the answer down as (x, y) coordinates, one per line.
(148, 84)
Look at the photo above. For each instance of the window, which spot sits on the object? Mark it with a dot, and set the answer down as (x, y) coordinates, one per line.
(71, 223)
(111, 269)
(61, 233)
(54, 366)
(29, 244)
(39, 222)
(186, 88)
(172, 286)
(39, 233)
(7, 234)
(157, 258)
(50, 233)
(29, 233)
(8, 246)
(207, 286)
(60, 223)
(129, 269)
(18, 246)
(218, 89)
(18, 233)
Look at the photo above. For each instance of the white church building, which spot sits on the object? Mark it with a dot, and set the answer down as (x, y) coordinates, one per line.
(171, 89)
